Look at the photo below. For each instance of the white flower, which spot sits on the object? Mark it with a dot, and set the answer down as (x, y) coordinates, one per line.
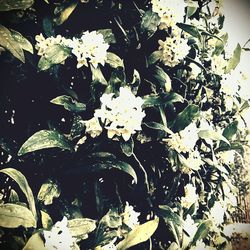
(110, 245)
(226, 157)
(170, 11)
(185, 140)
(229, 84)
(190, 197)
(195, 70)
(44, 43)
(130, 217)
(194, 159)
(59, 237)
(121, 115)
(173, 50)
(217, 213)
(93, 127)
(200, 245)
(190, 226)
(90, 46)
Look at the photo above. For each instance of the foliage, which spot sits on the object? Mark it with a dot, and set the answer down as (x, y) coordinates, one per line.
(156, 110)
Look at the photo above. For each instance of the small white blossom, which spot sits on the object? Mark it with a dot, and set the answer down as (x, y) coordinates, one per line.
(93, 127)
(218, 64)
(91, 46)
(190, 197)
(170, 11)
(190, 226)
(173, 50)
(122, 115)
(217, 213)
(226, 157)
(130, 217)
(185, 140)
(194, 159)
(229, 84)
(59, 237)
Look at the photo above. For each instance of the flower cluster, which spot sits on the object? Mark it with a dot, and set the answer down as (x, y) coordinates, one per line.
(130, 217)
(170, 11)
(91, 46)
(190, 197)
(122, 115)
(173, 50)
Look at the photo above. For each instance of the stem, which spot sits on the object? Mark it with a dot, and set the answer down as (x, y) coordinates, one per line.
(143, 170)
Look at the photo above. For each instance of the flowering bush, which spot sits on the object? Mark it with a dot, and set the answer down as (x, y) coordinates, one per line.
(135, 114)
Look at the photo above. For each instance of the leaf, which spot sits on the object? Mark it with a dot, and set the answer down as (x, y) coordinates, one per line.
(169, 215)
(35, 242)
(20, 179)
(230, 130)
(163, 99)
(107, 35)
(69, 104)
(66, 12)
(163, 78)
(234, 60)
(213, 135)
(55, 54)
(191, 10)
(190, 29)
(6, 5)
(13, 216)
(220, 44)
(114, 60)
(22, 41)
(139, 234)
(184, 118)
(202, 231)
(45, 139)
(47, 222)
(48, 192)
(10, 44)
(127, 146)
(81, 227)
(149, 23)
(97, 75)
(154, 57)
(77, 127)
(158, 126)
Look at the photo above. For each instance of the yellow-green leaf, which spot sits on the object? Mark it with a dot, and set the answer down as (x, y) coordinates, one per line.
(20, 179)
(46, 220)
(22, 41)
(139, 234)
(13, 216)
(114, 60)
(234, 60)
(48, 192)
(6, 5)
(35, 242)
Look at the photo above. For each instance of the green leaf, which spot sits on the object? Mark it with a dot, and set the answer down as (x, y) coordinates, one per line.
(158, 126)
(107, 35)
(97, 75)
(6, 5)
(48, 191)
(149, 23)
(220, 44)
(77, 127)
(22, 41)
(139, 234)
(13, 216)
(55, 54)
(184, 118)
(47, 222)
(234, 60)
(45, 139)
(9, 43)
(190, 29)
(163, 78)
(191, 10)
(169, 215)
(230, 130)
(154, 57)
(202, 231)
(65, 12)
(127, 146)
(212, 135)
(163, 99)
(68, 103)
(114, 60)
(35, 242)
(20, 179)
(81, 227)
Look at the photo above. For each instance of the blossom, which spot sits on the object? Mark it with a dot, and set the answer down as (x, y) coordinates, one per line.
(93, 127)
(130, 217)
(194, 159)
(217, 213)
(90, 46)
(226, 157)
(200, 245)
(190, 226)
(229, 84)
(190, 197)
(44, 43)
(122, 115)
(170, 11)
(185, 140)
(173, 50)
(59, 237)
(218, 64)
